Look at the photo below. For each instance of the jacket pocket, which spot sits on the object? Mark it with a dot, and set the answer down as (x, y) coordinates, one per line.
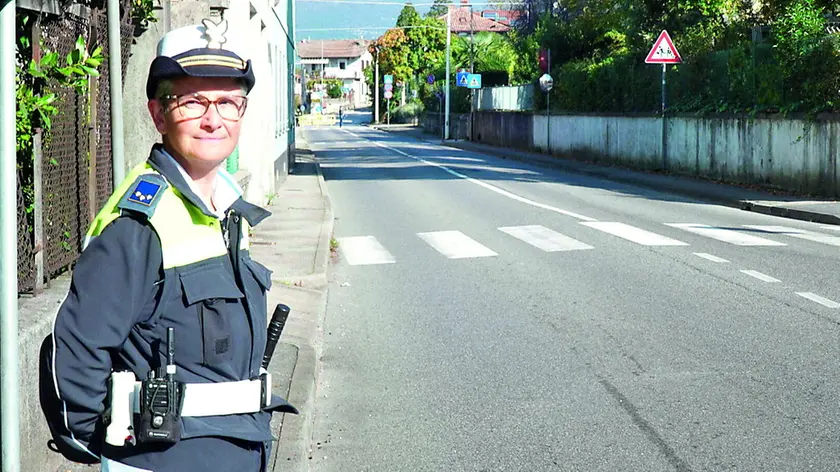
(215, 296)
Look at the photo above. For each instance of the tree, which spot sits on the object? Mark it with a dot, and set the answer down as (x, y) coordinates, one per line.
(439, 8)
(408, 16)
(493, 53)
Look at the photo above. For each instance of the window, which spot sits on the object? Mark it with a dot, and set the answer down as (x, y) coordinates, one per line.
(342, 65)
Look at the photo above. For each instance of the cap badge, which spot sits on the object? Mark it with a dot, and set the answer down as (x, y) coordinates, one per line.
(215, 34)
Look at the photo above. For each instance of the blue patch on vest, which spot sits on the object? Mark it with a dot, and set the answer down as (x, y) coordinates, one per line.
(144, 194)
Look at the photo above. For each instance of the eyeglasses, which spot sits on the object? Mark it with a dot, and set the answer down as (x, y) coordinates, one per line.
(193, 106)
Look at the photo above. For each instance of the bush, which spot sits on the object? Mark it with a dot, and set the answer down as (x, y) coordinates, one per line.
(407, 113)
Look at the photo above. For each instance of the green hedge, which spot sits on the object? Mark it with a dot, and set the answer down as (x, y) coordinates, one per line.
(742, 78)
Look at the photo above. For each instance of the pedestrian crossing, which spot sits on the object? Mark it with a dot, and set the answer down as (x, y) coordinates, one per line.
(454, 244)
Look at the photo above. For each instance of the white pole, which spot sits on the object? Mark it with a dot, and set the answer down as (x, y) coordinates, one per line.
(9, 354)
(448, 41)
(115, 87)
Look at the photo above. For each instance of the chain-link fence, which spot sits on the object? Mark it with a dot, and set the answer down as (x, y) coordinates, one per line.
(77, 164)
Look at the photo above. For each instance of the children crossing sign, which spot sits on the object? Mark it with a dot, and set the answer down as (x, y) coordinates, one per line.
(663, 51)
(474, 81)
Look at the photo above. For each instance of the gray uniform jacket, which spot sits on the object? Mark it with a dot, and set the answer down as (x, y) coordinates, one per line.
(120, 303)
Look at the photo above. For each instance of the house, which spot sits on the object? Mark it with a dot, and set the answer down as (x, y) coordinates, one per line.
(343, 59)
(465, 19)
(505, 17)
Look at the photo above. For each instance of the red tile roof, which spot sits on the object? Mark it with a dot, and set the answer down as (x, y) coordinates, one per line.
(460, 18)
(332, 48)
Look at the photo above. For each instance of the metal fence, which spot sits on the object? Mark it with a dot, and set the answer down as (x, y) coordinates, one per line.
(76, 176)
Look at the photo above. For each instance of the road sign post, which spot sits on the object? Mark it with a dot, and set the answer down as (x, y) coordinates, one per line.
(664, 52)
(546, 84)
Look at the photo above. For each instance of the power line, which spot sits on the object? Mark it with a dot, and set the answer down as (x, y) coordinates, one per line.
(371, 28)
(393, 4)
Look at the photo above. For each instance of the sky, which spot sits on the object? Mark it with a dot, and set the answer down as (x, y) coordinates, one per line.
(339, 19)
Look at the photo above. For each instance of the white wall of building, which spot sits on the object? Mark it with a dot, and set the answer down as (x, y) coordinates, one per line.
(265, 140)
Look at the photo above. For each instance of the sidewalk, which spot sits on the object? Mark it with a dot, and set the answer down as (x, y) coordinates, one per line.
(784, 204)
(294, 243)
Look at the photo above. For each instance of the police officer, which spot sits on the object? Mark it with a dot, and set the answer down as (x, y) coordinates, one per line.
(170, 250)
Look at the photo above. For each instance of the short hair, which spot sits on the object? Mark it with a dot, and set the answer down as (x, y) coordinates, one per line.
(166, 86)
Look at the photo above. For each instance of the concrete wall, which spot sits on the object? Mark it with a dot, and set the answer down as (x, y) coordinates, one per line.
(504, 129)
(632, 141)
(792, 154)
(459, 125)
(782, 153)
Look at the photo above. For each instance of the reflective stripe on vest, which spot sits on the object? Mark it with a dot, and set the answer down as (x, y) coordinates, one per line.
(186, 234)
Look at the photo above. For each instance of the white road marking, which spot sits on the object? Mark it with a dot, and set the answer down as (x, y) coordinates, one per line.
(631, 233)
(364, 250)
(710, 257)
(816, 298)
(456, 245)
(725, 235)
(492, 188)
(831, 227)
(760, 276)
(799, 233)
(544, 238)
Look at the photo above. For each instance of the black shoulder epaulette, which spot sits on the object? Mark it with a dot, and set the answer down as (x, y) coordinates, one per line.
(144, 194)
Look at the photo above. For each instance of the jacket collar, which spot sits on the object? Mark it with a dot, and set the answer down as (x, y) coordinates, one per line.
(166, 166)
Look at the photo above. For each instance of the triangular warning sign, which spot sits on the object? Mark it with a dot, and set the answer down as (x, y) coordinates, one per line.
(663, 51)
(463, 80)
(474, 82)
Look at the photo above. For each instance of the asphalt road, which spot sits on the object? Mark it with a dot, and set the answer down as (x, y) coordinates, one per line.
(486, 314)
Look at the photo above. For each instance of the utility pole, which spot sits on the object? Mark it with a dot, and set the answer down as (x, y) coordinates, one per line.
(115, 84)
(448, 41)
(472, 71)
(376, 84)
(9, 347)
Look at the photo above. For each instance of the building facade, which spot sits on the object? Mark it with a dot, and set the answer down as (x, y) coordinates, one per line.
(343, 59)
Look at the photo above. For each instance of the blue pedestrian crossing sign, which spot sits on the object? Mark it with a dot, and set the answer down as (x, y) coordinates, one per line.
(474, 81)
(461, 78)
(389, 79)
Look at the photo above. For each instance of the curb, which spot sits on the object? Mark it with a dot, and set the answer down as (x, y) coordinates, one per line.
(294, 451)
(746, 205)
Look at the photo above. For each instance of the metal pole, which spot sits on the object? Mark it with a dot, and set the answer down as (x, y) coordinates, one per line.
(548, 109)
(472, 71)
(448, 41)
(376, 93)
(115, 76)
(664, 124)
(663, 88)
(9, 355)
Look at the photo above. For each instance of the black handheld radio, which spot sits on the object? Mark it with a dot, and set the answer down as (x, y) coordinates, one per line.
(161, 398)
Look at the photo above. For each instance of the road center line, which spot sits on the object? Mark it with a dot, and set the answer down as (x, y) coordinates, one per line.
(710, 257)
(492, 188)
(760, 276)
(816, 298)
